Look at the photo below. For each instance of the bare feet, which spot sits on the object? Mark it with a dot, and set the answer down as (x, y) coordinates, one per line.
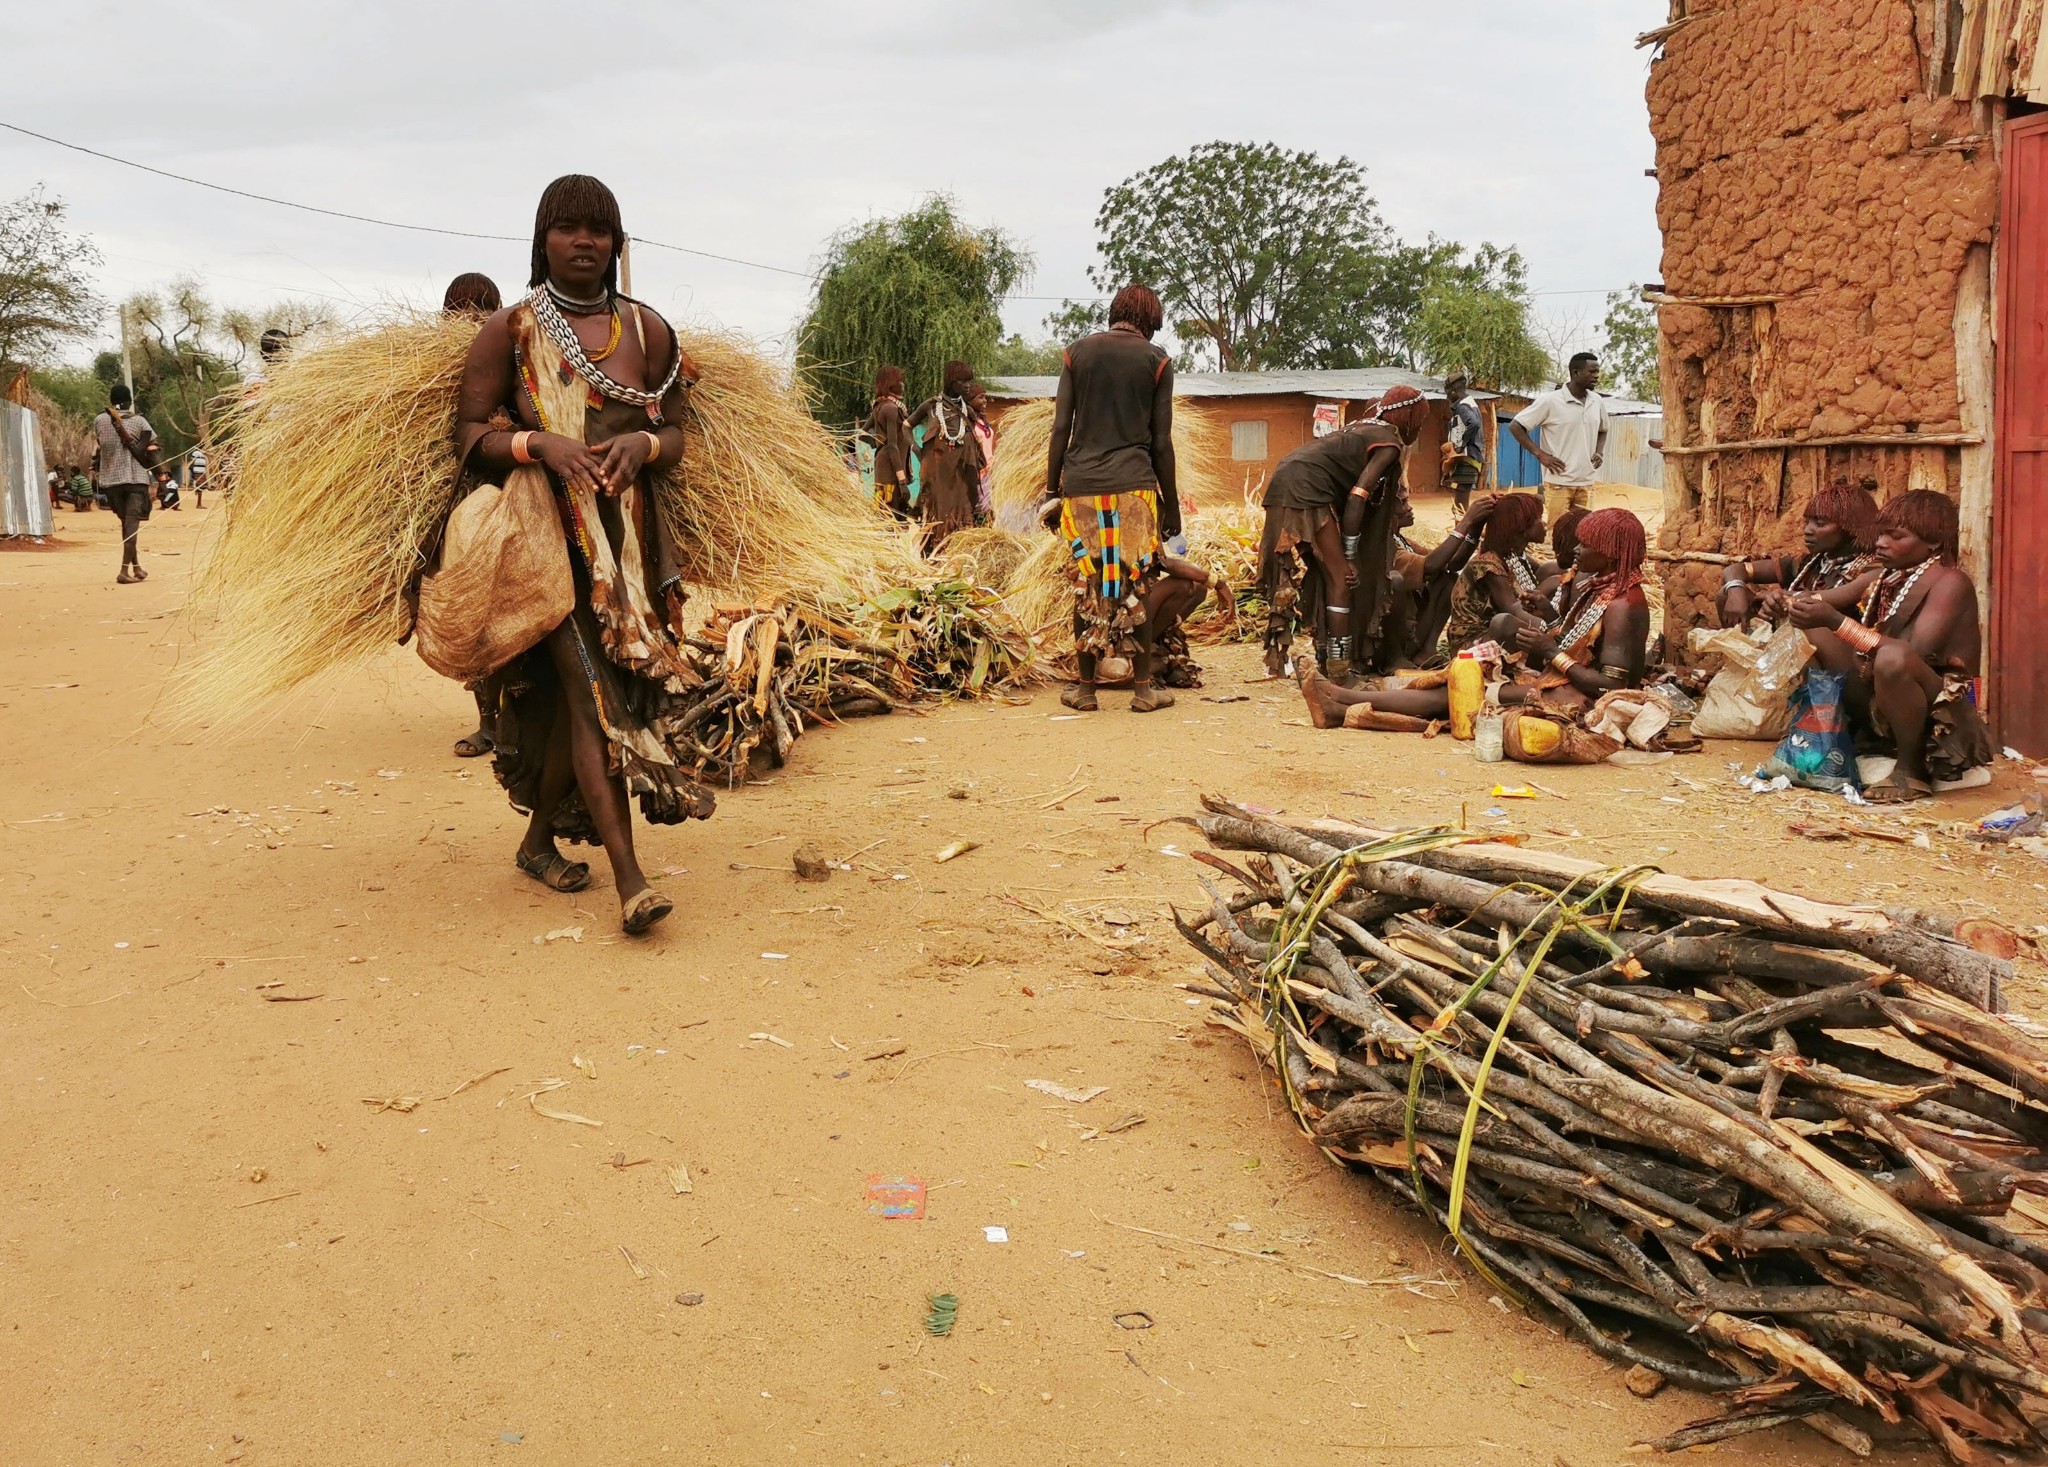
(1080, 697)
(1147, 699)
(1319, 712)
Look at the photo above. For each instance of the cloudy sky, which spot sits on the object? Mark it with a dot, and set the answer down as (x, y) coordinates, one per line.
(755, 129)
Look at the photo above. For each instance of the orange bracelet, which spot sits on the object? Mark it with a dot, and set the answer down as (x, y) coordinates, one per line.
(653, 446)
(520, 453)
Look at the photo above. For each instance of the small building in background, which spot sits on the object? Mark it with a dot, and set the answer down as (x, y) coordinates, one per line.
(1268, 415)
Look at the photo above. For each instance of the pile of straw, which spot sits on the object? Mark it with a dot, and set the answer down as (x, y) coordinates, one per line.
(1201, 453)
(342, 473)
(341, 469)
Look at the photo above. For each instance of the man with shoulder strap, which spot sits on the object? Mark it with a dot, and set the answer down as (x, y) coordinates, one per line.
(126, 456)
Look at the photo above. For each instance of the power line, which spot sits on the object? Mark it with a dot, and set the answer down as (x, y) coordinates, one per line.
(365, 218)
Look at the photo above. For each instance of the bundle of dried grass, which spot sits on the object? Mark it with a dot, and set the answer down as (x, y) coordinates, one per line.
(1201, 452)
(985, 555)
(341, 475)
(1225, 538)
(340, 471)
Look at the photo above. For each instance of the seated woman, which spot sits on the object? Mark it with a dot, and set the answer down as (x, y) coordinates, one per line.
(1557, 574)
(1173, 589)
(1500, 575)
(1597, 645)
(1907, 644)
(1840, 528)
(1423, 581)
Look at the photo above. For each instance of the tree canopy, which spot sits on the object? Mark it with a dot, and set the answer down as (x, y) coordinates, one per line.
(46, 294)
(1628, 352)
(1268, 259)
(1474, 315)
(915, 292)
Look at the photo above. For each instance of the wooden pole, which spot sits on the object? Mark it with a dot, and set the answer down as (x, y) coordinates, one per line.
(1850, 440)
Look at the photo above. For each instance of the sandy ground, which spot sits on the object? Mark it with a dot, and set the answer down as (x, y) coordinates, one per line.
(275, 1001)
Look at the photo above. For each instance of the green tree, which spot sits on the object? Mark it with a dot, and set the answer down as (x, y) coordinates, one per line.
(1265, 258)
(1474, 314)
(187, 351)
(1013, 356)
(913, 292)
(1628, 350)
(46, 294)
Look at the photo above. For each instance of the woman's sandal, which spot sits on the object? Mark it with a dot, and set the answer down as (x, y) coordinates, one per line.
(1150, 700)
(644, 911)
(471, 746)
(554, 870)
(1898, 789)
(1080, 697)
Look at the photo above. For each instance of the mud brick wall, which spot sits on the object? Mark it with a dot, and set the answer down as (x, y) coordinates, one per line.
(1800, 157)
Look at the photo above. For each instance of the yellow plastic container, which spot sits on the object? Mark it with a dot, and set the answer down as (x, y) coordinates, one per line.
(1468, 695)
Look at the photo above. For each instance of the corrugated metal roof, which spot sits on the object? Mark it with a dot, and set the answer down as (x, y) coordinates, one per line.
(1344, 385)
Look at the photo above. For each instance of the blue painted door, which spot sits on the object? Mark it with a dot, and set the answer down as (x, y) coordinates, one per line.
(1517, 467)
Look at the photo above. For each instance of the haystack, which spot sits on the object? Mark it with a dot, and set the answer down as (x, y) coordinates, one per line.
(1201, 452)
(341, 474)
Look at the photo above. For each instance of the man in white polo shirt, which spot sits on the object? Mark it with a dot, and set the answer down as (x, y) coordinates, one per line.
(1574, 424)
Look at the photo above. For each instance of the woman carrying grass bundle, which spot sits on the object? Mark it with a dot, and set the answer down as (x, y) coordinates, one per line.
(948, 458)
(586, 386)
(1110, 468)
(474, 294)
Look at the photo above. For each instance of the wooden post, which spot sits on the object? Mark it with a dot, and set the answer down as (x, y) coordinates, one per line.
(1975, 366)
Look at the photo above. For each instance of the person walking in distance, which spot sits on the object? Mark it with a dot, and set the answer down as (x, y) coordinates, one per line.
(1573, 421)
(126, 455)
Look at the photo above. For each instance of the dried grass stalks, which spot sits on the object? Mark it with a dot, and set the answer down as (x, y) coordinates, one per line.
(341, 474)
(1201, 451)
(341, 470)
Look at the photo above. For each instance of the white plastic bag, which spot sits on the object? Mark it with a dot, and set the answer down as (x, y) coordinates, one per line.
(1751, 696)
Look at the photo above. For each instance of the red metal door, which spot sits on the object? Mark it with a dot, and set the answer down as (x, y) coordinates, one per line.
(2019, 521)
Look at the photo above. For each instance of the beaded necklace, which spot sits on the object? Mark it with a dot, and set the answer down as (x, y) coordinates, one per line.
(563, 335)
(1891, 609)
(1825, 567)
(1587, 616)
(945, 431)
(1523, 570)
(568, 302)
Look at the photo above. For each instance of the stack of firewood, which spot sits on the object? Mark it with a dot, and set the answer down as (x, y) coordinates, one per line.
(1751, 1143)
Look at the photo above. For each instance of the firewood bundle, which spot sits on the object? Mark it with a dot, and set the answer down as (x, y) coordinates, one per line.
(770, 670)
(1759, 1145)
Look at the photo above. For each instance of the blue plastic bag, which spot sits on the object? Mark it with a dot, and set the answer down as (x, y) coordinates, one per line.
(1818, 751)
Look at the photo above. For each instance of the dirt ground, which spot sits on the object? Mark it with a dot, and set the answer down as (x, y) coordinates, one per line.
(277, 1001)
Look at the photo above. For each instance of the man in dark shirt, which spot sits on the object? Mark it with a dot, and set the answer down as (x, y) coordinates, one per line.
(1110, 469)
(1331, 502)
